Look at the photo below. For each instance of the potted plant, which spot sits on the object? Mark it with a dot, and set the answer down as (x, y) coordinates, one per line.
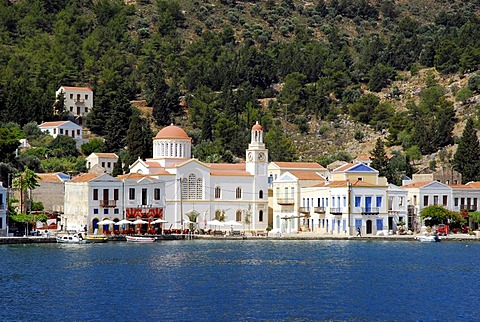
(268, 229)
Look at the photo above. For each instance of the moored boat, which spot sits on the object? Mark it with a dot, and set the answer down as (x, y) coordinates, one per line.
(428, 239)
(96, 239)
(140, 239)
(70, 239)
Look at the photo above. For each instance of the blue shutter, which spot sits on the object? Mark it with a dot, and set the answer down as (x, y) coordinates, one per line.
(358, 223)
(379, 224)
(379, 202)
(358, 200)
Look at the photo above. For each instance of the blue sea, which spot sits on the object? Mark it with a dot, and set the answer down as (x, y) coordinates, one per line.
(247, 280)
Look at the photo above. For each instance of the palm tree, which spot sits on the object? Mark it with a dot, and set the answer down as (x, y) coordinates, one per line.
(26, 181)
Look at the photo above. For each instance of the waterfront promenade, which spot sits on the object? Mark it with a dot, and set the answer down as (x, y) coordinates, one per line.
(291, 236)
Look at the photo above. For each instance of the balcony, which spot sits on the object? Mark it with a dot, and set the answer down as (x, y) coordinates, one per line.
(79, 100)
(319, 210)
(304, 210)
(468, 208)
(370, 211)
(108, 203)
(285, 201)
(335, 211)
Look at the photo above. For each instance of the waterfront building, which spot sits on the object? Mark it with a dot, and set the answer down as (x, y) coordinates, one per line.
(3, 210)
(348, 198)
(207, 191)
(51, 191)
(67, 128)
(101, 162)
(78, 101)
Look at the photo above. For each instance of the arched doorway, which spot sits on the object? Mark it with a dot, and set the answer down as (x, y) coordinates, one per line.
(95, 225)
(369, 226)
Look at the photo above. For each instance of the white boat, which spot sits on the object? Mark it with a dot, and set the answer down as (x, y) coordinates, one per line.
(140, 239)
(427, 239)
(70, 239)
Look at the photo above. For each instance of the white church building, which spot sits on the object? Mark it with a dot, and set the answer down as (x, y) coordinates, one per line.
(222, 191)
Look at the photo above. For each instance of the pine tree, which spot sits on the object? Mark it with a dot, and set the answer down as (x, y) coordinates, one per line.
(379, 158)
(117, 168)
(467, 158)
(139, 138)
(117, 124)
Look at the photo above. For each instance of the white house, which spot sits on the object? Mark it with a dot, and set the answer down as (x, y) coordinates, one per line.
(106, 161)
(236, 192)
(78, 100)
(67, 128)
(3, 210)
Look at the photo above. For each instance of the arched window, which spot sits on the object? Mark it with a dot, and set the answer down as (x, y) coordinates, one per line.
(260, 216)
(260, 194)
(238, 193)
(192, 188)
(218, 191)
(238, 215)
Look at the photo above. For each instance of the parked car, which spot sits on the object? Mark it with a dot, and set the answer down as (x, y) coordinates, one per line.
(442, 229)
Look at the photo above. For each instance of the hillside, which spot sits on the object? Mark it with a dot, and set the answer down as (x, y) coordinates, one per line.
(323, 77)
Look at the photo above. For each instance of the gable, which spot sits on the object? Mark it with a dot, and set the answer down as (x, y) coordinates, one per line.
(287, 177)
(361, 168)
(436, 185)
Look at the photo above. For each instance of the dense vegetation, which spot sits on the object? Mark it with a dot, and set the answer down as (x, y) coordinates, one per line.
(223, 58)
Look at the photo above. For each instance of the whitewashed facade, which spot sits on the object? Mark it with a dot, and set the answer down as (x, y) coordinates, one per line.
(78, 100)
(105, 161)
(67, 128)
(227, 191)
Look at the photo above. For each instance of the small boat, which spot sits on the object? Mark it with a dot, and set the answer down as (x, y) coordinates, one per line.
(95, 239)
(140, 239)
(70, 239)
(428, 239)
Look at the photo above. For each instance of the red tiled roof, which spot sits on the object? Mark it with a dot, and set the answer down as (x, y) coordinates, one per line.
(226, 166)
(86, 177)
(172, 132)
(52, 124)
(345, 167)
(72, 88)
(49, 177)
(106, 155)
(418, 184)
(363, 157)
(302, 175)
(229, 173)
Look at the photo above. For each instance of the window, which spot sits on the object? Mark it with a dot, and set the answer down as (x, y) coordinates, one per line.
(54, 131)
(425, 200)
(95, 194)
(95, 211)
(109, 164)
(105, 211)
(400, 201)
(415, 200)
(360, 179)
(71, 108)
(379, 201)
(344, 201)
(86, 109)
(260, 194)
(156, 194)
(61, 131)
(103, 164)
(66, 132)
(144, 196)
(260, 216)
(192, 188)
(78, 110)
(71, 96)
(455, 201)
(435, 200)
(238, 216)
(116, 211)
(358, 201)
(238, 193)
(115, 194)
(131, 194)
(86, 96)
(445, 200)
(218, 190)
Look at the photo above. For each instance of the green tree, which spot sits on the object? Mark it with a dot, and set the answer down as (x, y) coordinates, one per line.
(117, 124)
(467, 158)
(25, 181)
(139, 139)
(363, 109)
(280, 146)
(94, 145)
(379, 158)
(62, 146)
(436, 214)
(10, 134)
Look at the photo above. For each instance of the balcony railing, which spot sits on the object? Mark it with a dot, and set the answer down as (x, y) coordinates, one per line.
(108, 203)
(304, 210)
(335, 211)
(319, 210)
(285, 201)
(468, 207)
(79, 100)
(370, 211)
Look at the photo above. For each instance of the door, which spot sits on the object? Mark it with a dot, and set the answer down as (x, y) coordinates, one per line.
(368, 204)
(390, 223)
(369, 226)
(379, 224)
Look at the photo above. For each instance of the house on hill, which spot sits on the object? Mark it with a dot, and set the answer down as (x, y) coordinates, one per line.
(78, 101)
(67, 128)
(101, 162)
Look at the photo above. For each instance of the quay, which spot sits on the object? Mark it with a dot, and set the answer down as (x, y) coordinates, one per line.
(303, 236)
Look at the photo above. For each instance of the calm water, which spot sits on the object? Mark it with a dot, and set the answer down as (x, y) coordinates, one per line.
(241, 280)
